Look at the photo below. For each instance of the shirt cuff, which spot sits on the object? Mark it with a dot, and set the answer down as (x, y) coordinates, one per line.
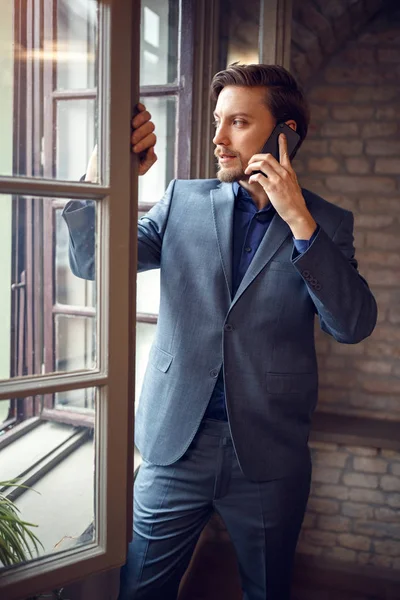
(303, 245)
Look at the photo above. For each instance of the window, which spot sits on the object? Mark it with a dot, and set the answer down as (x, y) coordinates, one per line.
(65, 385)
(166, 90)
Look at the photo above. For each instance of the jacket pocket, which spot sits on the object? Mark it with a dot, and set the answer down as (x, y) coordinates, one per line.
(160, 359)
(291, 383)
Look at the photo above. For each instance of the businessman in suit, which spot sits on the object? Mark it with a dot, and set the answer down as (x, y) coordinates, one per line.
(247, 261)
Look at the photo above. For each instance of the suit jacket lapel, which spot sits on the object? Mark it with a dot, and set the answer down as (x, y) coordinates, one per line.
(223, 201)
(276, 234)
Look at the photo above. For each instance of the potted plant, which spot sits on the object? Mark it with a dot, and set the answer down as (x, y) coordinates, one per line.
(17, 542)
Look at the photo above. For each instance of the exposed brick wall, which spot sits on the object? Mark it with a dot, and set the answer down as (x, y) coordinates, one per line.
(352, 158)
(321, 27)
(353, 511)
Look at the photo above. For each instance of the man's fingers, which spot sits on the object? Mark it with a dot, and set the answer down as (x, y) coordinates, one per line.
(145, 143)
(140, 119)
(142, 132)
(148, 161)
(143, 138)
(259, 166)
(283, 151)
(269, 166)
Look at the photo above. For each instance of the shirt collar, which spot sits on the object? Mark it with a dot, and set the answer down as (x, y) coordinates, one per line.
(244, 202)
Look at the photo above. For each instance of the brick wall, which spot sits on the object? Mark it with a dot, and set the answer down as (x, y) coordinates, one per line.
(352, 158)
(353, 511)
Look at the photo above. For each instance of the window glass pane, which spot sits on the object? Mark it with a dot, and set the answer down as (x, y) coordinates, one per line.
(69, 289)
(152, 185)
(148, 292)
(81, 401)
(144, 338)
(159, 42)
(48, 107)
(74, 117)
(239, 31)
(55, 461)
(47, 306)
(76, 43)
(75, 343)
(4, 411)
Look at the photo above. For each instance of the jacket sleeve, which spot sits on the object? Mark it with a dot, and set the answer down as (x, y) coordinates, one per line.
(80, 218)
(344, 303)
(151, 229)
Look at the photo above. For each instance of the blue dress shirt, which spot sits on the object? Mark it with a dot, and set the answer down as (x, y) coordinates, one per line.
(249, 227)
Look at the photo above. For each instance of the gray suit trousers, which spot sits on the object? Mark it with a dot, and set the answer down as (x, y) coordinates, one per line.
(173, 503)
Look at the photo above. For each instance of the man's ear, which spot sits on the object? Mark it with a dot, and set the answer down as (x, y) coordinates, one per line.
(292, 124)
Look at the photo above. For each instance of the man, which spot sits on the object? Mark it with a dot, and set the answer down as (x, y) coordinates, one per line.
(246, 261)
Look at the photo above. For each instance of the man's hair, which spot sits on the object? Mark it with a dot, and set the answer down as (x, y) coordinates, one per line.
(284, 97)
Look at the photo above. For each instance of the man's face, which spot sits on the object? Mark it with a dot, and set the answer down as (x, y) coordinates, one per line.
(243, 125)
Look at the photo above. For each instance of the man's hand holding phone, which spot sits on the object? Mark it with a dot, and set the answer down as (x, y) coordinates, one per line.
(279, 181)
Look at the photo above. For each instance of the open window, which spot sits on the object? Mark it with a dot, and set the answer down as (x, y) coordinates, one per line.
(70, 71)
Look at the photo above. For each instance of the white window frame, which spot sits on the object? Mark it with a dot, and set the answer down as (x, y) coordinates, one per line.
(119, 36)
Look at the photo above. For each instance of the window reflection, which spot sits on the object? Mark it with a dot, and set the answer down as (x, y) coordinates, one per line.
(48, 85)
(159, 42)
(76, 44)
(48, 313)
(153, 184)
(75, 137)
(54, 465)
(70, 289)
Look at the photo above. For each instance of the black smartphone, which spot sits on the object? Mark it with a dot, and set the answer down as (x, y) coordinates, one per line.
(271, 146)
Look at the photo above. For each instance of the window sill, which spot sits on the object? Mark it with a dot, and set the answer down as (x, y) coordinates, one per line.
(355, 431)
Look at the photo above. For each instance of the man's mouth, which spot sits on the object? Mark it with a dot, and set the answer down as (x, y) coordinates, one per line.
(225, 158)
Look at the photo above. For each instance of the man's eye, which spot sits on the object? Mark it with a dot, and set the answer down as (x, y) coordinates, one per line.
(239, 122)
(215, 123)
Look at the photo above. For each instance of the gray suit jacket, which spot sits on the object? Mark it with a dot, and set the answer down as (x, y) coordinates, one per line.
(263, 336)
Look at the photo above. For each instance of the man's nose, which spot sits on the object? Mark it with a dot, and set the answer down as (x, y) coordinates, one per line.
(220, 137)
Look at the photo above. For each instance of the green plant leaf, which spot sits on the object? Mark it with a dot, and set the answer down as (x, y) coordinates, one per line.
(17, 541)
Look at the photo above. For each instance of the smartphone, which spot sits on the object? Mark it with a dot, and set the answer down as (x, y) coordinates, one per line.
(271, 146)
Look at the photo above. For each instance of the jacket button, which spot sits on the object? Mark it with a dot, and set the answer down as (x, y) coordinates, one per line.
(228, 327)
(214, 372)
(318, 287)
(306, 274)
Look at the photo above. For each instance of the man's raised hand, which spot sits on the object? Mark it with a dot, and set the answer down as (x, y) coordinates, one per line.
(143, 139)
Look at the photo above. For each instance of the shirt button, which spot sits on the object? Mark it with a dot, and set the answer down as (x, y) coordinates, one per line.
(228, 327)
(247, 249)
(214, 372)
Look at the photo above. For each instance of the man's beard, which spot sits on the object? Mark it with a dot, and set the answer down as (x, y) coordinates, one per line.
(231, 174)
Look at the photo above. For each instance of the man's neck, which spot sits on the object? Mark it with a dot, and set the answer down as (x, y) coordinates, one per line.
(257, 194)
